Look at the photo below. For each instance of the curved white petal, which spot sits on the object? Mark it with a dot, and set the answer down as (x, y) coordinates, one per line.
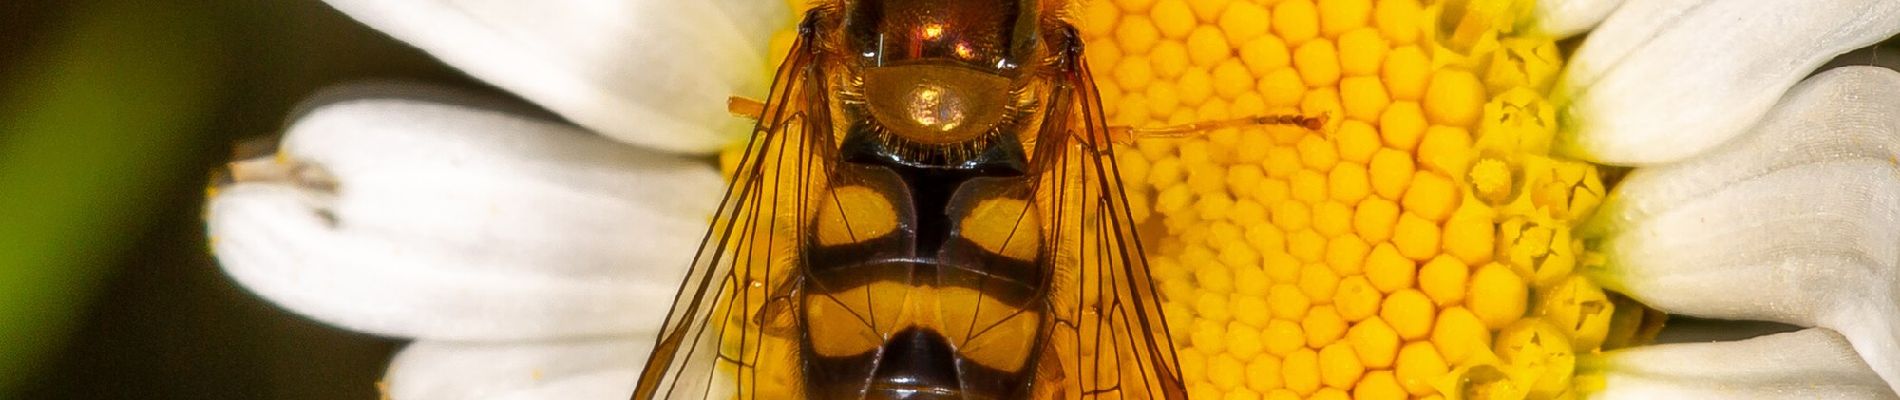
(650, 72)
(580, 370)
(1564, 18)
(1813, 364)
(1798, 222)
(1661, 80)
(450, 222)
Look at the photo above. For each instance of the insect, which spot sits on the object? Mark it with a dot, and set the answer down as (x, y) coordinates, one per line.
(927, 209)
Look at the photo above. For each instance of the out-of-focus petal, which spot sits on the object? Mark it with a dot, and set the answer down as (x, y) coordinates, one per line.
(1564, 18)
(650, 72)
(411, 218)
(1813, 364)
(1795, 222)
(580, 370)
(1661, 80)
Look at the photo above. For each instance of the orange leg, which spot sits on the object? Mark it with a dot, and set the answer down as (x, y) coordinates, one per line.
(744, 107)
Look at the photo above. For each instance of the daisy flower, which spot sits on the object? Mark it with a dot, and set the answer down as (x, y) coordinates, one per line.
(1484, 218)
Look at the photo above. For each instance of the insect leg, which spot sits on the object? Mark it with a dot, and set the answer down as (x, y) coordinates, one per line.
(744, 107)
(1128, 135)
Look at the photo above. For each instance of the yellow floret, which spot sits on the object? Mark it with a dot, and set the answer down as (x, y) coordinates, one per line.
(1358, 140)
(1300, 371)
(1338, 16)
(1308, 246)
(1391, 173)
(1208, 10)
(1536, 345)
(1263, 374)
(1265, 54)
(1296, 21)
(1134, 73)
(1331, 219)
(1401, 125)
(1356, 299)
(1317, 62)
(1405, 71)
(1252, 309)
(1398, 19)
(1244, 21)
(1322, 326)
(1579, 307)
(1168, 59)
(1281, 87)
(1287, 301)
(1243, 341)
(1363, 97)
(1497, 295)
(1317, 281)
(1172, 18)
(1415, 237)
(1457, 333)
(1361, 52)
(1432, 196)
(1231, 79)
(1348, 182)
(1443, 279)
(1418, 366)
(1136, 33)
(1225, 372)
(1283, 336)
(1446, 148)
(1162, 97)
(1378, 385)
(1388, 270)
(1196, 86)
(1309, 185)
(1209, 336)
(1375, 342)
(1207, 47)
(1468, 236)
(1212, 306)
(1409, 312)
(1375, 218)
(1346, 254)
(1317, 154)
(1339, 366)
(1454, 97)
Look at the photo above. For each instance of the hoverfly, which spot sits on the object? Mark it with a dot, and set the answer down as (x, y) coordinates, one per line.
(928, 208)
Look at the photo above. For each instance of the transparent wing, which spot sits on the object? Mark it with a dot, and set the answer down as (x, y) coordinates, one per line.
(724, 337)
(1109, 336)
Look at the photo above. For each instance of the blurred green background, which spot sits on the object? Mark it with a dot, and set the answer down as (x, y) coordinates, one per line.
(112, 115)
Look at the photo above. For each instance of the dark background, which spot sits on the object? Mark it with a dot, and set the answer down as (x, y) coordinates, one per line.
(112, 115)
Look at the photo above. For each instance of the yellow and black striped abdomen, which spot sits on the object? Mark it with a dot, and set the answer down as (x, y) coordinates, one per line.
(923, 283)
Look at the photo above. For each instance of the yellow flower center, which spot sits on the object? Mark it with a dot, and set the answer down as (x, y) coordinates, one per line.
(1418, 246)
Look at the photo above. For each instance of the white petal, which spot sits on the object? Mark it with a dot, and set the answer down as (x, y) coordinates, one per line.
(1812, 364)
(592, 369)
(651, 72)
(451, 222)
(1661, 80)
(1564, 18)
(1797, 222)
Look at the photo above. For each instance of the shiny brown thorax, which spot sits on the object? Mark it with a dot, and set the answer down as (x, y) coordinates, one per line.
(925, 275)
